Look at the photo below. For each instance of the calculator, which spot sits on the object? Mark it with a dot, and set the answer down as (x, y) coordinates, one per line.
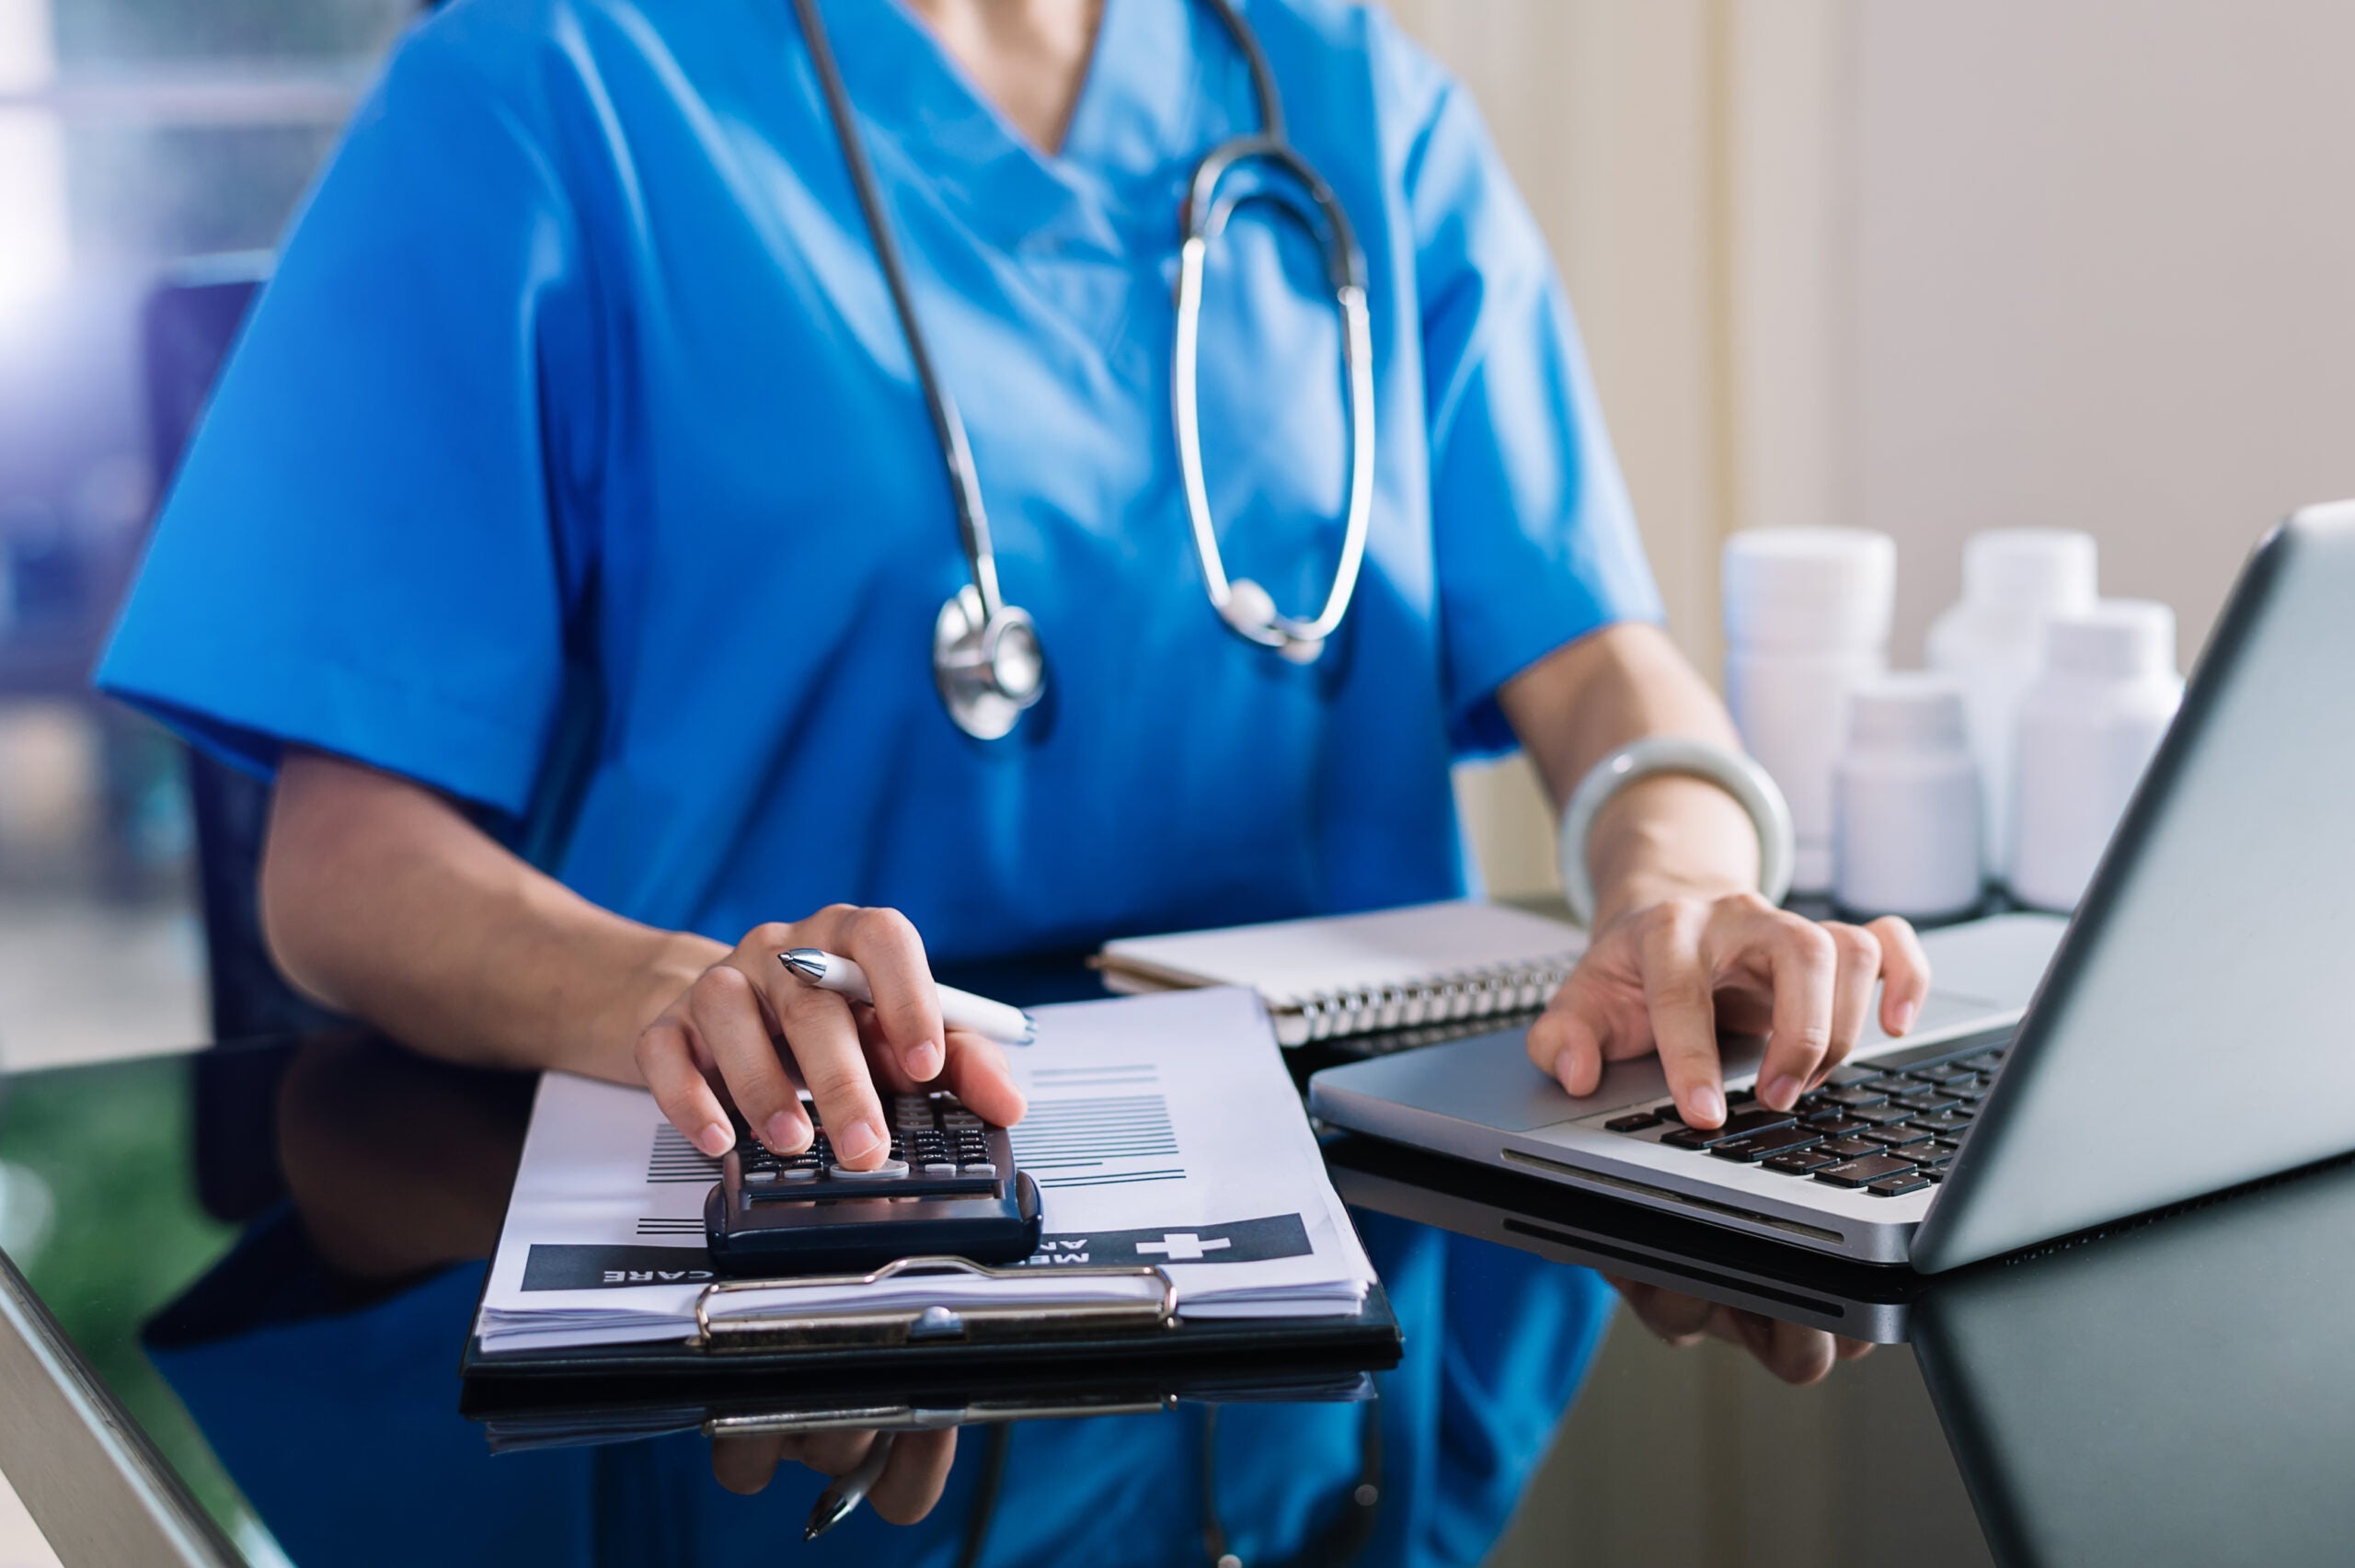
(948, 1186)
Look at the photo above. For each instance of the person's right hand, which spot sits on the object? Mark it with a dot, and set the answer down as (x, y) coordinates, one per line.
(1792, 1352)
(724, 1032)
(911, 1484)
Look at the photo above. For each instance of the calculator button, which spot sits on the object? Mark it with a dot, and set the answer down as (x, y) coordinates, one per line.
(980, 1168)
(939, 1168)
(760, 1175)
(799, 1173)
(891, 1170)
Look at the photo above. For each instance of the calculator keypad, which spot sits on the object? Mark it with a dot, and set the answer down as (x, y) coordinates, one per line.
(938, 1147)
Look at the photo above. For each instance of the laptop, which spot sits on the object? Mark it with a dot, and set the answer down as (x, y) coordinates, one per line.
(2191, 1033)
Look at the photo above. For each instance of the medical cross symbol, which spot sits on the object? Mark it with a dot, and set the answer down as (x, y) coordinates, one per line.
(1183, 1247)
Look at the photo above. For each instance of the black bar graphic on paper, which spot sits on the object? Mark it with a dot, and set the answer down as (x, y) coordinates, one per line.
(561, 1266)
(1233, 1241)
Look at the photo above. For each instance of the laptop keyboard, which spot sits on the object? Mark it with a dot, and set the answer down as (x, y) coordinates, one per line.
(1888, 1126)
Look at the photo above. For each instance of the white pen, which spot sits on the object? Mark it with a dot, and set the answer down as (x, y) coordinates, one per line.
(848, 1491)
(959, 1009)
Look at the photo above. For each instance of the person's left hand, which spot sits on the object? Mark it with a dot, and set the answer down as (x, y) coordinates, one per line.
(1671, 974)
(1792, 1352)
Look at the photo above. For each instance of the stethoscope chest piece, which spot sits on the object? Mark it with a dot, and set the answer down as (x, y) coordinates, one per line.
(988, 667)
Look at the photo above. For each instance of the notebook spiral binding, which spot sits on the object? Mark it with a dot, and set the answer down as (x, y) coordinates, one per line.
(1434, 999)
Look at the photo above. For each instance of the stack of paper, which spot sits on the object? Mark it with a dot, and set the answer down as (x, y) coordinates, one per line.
(1162, 1130)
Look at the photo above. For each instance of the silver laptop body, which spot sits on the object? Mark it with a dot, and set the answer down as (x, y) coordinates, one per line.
(2191, 1032)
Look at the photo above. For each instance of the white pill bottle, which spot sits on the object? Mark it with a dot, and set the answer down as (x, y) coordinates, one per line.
(2086, 730)
(1905, 802)
(1806, 617)
(2015, 580)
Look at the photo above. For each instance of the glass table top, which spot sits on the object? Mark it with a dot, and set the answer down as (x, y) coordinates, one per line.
(267, 1256)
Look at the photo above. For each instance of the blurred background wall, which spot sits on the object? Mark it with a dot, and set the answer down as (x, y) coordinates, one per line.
(1929, 267)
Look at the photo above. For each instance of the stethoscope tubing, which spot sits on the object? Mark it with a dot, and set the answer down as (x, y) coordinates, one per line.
(948, 423)
(1204, 218)
(985, 690)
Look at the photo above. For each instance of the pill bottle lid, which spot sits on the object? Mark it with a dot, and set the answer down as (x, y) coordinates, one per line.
(1916, 709)
(2029, 571)
(2118, 639)
(1808, 587)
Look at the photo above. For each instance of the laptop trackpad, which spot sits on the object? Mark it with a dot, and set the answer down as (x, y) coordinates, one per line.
(1488, 1079)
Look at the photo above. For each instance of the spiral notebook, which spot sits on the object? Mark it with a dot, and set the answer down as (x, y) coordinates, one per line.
(1336, 975)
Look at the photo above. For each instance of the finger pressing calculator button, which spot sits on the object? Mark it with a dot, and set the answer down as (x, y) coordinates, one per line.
(887, 1171)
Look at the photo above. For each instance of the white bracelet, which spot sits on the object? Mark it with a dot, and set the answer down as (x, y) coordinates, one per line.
(1731, 770)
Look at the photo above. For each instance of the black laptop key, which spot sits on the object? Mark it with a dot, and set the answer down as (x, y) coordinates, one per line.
(1848, 1073)
(1944, 1122)
(1774, 1141)
(1853, 1096)
(1898, 1186)
(1927, 1099)
(1800, 1161)
(1741, 1124)
(1848, 1148)
(1637, 1123)
(1690, 1138)
(1895, 1137)
(1667, 1113)
(1879, 1115)
(1862, 1172)
(1741, 1096)
(1836, 1124)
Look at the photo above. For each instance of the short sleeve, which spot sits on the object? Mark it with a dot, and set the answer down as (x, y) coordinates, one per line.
(1534, 535)
(364, 552)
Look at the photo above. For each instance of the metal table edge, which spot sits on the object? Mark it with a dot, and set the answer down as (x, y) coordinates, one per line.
(86, 1473)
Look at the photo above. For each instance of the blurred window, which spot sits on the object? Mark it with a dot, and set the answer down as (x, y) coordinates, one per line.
(134, 134)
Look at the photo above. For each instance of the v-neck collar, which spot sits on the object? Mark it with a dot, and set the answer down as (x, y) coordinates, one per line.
(1138, 114)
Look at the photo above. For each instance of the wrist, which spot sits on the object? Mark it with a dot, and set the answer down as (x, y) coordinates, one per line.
(643, 988)
(1670, 836)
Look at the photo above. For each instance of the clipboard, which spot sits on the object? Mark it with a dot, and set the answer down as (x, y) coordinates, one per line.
(858, 1344)
(525, 1413)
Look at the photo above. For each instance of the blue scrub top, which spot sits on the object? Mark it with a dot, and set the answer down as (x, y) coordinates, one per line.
(574, 465)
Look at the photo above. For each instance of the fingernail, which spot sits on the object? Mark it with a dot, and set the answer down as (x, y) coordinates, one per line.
(1781, 1093)
(1707, 1105)
(857, 1141)
(714, 1139)
(785, 1133)
(924, 1061)
(1906, 1016)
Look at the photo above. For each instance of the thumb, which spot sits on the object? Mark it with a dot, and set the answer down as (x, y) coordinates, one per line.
(1566, 1041)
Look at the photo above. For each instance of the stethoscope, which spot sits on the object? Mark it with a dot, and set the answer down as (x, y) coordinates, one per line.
(986, 656)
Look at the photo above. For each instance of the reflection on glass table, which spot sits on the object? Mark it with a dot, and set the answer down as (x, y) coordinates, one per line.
(2173, 1391)
(317, 1361)
(2170, 1392)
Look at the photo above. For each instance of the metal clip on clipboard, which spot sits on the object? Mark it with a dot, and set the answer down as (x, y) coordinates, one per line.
(905, 1416)
(851, 1327)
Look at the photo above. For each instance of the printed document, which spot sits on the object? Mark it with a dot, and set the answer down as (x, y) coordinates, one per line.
(1162, 1130)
